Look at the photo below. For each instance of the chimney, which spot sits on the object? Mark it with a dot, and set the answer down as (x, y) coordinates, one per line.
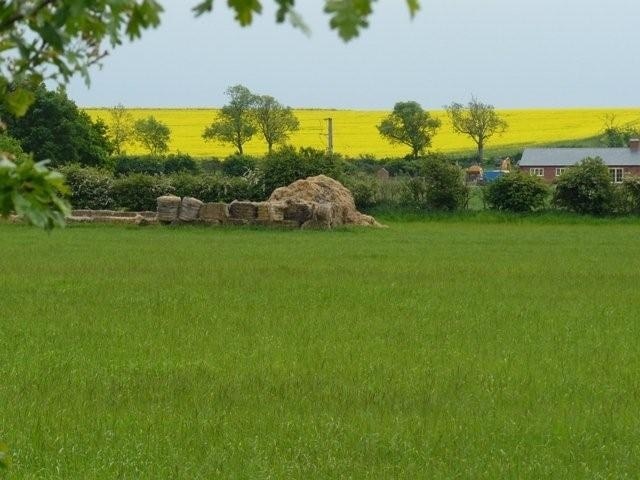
(634, 145)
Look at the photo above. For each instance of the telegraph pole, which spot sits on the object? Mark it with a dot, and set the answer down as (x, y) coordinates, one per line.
(329, 135)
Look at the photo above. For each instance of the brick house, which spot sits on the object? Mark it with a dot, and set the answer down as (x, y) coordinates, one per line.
(549, 163)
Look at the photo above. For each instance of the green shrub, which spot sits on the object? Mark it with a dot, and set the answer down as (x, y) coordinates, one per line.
(414, 193)
(180, 162)
(210, 165)
(445, 186)
(365, 190)
(90, 188)
(238, 165)
(139, 192)
(516, 192)
(586, 188)
(286, 166)
(217, 188)
(130, 164)
(628, 198)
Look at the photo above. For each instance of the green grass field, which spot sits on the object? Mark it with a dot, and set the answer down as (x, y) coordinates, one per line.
(442, 349)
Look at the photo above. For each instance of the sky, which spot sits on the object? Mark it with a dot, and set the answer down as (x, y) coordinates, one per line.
(513, 54)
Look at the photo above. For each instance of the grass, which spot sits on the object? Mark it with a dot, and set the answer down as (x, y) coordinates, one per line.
(355, 132)
(454, 349)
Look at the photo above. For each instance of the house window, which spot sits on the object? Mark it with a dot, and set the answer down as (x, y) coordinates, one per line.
(536, 172)
(617, 174)
(560, 171)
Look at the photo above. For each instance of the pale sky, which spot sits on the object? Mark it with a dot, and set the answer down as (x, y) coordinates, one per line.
(512, 53)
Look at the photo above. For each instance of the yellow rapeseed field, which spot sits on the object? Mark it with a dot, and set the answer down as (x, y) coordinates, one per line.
(355, 131)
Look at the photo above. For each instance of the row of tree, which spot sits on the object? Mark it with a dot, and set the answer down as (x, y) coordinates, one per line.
(247, 114)
(409, 124)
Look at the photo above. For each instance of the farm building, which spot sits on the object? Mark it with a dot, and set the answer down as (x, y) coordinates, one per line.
(550, 163)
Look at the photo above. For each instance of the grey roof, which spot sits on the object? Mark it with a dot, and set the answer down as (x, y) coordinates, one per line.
(551, 157)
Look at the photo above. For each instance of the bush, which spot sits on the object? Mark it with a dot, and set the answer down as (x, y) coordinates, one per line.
(402, 166)
(139, 192)
(217, 188)
(365, 190)
(414, 193)
(210, 165)
(586, 188)
(90, 188)
(444, 185)
(287, 166)
(628, 198)
(130, 164)
(238, 165)
(516, 192)
(180, 162)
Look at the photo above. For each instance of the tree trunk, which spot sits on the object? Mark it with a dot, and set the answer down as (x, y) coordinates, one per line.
(240, 148)
(270, 146)
(480, 152)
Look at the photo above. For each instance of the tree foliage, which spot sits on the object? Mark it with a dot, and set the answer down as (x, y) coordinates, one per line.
(410, 125)
(152, 134)
(120, 128)
(235, 123)
(274, 120)
(347, 17)
(33, 192)
(55, 129)
(477, 120)
(52, 40)
(616, 135)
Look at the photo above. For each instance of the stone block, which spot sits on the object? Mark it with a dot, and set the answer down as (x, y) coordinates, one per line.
(276, 211)
(263, 212)
(298, 212)
(215, 213)
(243, 211)
(168, 208)
(189, 209)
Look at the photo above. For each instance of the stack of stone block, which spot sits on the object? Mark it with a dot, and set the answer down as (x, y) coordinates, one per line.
(289, 214)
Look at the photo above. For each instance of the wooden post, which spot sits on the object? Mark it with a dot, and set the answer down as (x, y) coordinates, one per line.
(329, 135)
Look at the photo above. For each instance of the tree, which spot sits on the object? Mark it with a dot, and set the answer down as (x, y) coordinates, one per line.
(477, 120)
(410, 125)
(120, 128)
(274, 120)
(615, 135)
(235, 123)
(55, 129)
(152, 135)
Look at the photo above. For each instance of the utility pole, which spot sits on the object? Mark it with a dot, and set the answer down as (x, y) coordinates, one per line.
(329, 135)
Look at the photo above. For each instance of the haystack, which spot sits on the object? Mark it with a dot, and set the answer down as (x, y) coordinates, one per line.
(321, 190)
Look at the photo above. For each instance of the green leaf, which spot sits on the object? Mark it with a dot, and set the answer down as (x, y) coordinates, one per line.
(245, 9)
(348, 16)
(19, 101)
(414, 6)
